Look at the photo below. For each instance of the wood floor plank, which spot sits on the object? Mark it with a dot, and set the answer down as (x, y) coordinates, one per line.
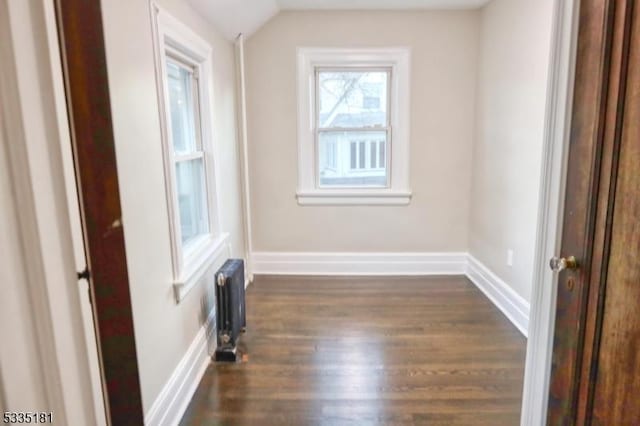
(367, 351)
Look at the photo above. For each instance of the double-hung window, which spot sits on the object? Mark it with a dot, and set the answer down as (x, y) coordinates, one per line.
(183, 65)
(353, 126)
(188, 156)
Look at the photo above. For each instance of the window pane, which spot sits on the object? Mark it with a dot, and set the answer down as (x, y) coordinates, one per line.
(352, 98)
(381, 159)
(350, 169)
(192, 203)
(332, 158)
(182, 106)
(373, 149)
(353, 153)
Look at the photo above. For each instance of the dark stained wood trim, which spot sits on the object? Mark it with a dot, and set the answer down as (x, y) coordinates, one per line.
(612, 137)
(596, 132)
(585, 153)
(85, 70)
(616, 380)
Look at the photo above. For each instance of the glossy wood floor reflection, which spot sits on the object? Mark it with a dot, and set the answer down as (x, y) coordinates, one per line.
(366, 351)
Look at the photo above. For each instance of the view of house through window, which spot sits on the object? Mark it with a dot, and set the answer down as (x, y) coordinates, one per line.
(188, 154)
(353, 132)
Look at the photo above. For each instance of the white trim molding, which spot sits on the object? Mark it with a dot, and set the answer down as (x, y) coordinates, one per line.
(398, 60)
(45, 352)
(551, 208)
(212, 254)
(282, 263)
(353, 198)
(172, 38)
(512, 305)
(172, 402)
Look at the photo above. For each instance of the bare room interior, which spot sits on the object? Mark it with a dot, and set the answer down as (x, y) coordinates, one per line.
(380, 200)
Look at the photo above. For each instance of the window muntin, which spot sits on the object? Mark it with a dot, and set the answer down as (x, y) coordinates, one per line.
(352, 104)
(188, 153)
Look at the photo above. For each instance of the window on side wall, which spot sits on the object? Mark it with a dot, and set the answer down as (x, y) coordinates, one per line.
(183, 68)
(353, 121)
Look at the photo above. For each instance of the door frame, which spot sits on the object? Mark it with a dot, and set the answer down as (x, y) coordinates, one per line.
(550, 211)
(36, 120)
(32, 137)
(88, 100)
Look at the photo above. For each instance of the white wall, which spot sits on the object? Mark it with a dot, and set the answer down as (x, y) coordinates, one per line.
(43, 355)
(478, 87)
(444, 59)
(515, 41)
(164, 329)
(19, 360)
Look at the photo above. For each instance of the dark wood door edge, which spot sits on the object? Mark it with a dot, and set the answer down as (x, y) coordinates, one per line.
(82, 48)
(601, 75)
(612, 136)
(590, 92)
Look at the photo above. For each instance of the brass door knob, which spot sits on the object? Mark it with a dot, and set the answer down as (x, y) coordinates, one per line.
(558, 264)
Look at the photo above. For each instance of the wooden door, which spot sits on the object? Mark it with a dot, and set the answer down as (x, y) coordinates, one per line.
(87, 90)
(595, 376)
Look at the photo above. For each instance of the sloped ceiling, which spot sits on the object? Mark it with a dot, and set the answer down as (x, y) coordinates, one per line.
(232, 17)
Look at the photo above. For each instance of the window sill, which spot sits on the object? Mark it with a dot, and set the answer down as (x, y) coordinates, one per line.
(198, 264)
(354, 198)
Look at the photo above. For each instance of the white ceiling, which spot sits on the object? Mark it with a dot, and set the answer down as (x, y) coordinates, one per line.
(232, 17)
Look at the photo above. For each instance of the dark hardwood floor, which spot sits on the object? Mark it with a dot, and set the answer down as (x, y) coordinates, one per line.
(362, 351)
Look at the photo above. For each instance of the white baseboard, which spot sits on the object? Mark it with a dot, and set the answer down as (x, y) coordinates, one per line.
(514, 306)
(170, 405)
(500, 293)
(282, 263)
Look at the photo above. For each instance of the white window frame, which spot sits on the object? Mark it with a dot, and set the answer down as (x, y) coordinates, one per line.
(172, 38)
(309, 60)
